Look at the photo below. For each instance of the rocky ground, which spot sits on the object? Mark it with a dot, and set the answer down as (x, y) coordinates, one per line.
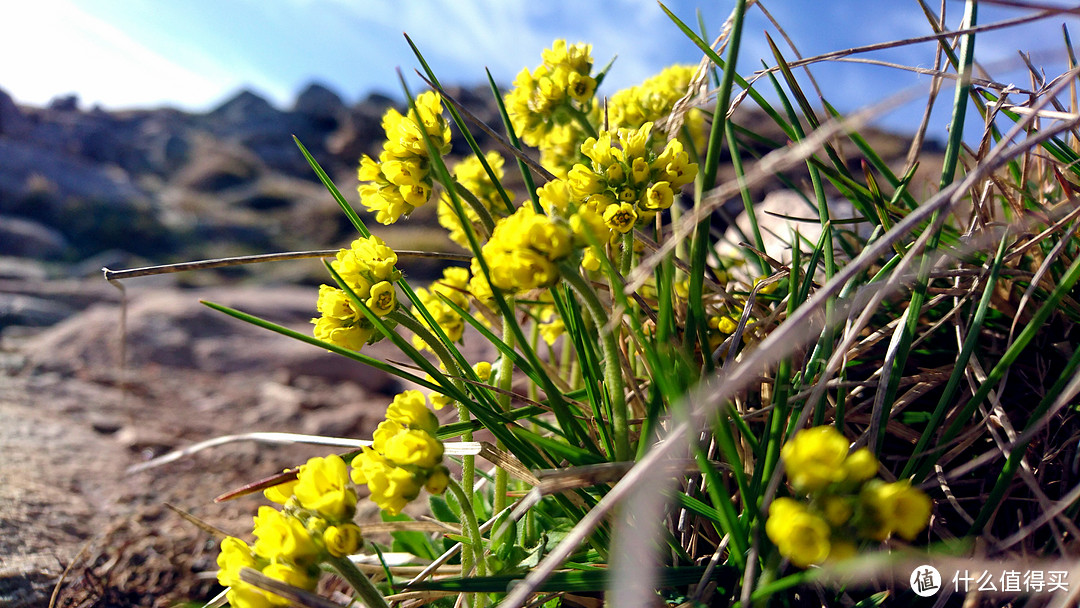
(72, 420)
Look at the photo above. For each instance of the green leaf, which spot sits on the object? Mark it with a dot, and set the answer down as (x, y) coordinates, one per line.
(410, 541)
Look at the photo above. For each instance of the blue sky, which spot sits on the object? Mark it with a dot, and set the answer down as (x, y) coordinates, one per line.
(193, 54)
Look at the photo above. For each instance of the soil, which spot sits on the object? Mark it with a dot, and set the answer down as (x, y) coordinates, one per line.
(73, 521)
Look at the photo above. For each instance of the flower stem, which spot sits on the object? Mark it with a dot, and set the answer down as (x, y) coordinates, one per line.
(472, 528)
(582, 120)
(359, 581)
(627, 258)
(613, 380)
(506, 377)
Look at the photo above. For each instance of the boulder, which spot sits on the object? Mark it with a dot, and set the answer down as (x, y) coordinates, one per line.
(170, 328)
(29, 311)
(778, 216)
(28, 239)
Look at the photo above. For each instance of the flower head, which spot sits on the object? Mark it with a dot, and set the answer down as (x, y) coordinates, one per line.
(400, 181)
(404, 457)
(800, 535)
(814, 458)
(281, 536)
(524, 249)
(322, 486)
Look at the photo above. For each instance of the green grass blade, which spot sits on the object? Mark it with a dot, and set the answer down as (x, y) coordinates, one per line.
(966, 350)
(356, 356)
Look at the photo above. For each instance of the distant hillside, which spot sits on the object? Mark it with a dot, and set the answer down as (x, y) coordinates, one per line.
(100, 187)
(164, 184)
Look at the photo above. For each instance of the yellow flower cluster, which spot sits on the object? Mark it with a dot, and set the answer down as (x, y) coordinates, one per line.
(316, 520)
(472, 176)
(405, 455)
(236, 555)
(523, 251)
(653, 100)
(546, 97)
(453, 286)
(624, 185)
(400, 181)
(367, 268)
(845, 501)
(818, 457)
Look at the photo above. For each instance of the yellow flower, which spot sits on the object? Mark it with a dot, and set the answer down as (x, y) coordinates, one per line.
(342, 332)
(556, 196)
(409, 410)
(382, 300)
(391, 487)
(342, 540)
(621, 217)
(413, 447)
(659, 196)
(800, 535)
(725, 324)
(860, 465)
(837, 510)
(334, 302)
(438, 480)
(814, 458)
(375, 256)
(439, 400)
(589, 261)
(235, 555)
(583, 182)
(244, 595)
(652, 100)
(562, 81)
(482, 370)
(408, 172)
(281, 493)
(674, 165)
(400, 180)
(322, 485)
(523, 250)
(281, 536)
(290, 575)
(404, 456)
(639, 170)
(893, 507)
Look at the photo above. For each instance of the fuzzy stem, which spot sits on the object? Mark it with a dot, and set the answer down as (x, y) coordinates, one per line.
(363, 586)
(627, 258)
(613, 380)
(506, 377)
(472, 528)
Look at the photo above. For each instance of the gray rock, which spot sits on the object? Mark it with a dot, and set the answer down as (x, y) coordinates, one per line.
(24, 310)
(27, 239)
(22, 269)
(170, 328)
(778, 216)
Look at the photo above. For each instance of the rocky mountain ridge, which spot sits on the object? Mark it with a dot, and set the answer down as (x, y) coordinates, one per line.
(75, 183)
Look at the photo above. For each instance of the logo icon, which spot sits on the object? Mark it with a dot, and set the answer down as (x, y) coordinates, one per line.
(925, 581)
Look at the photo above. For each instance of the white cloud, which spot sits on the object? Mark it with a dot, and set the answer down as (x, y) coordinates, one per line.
(62, 48)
